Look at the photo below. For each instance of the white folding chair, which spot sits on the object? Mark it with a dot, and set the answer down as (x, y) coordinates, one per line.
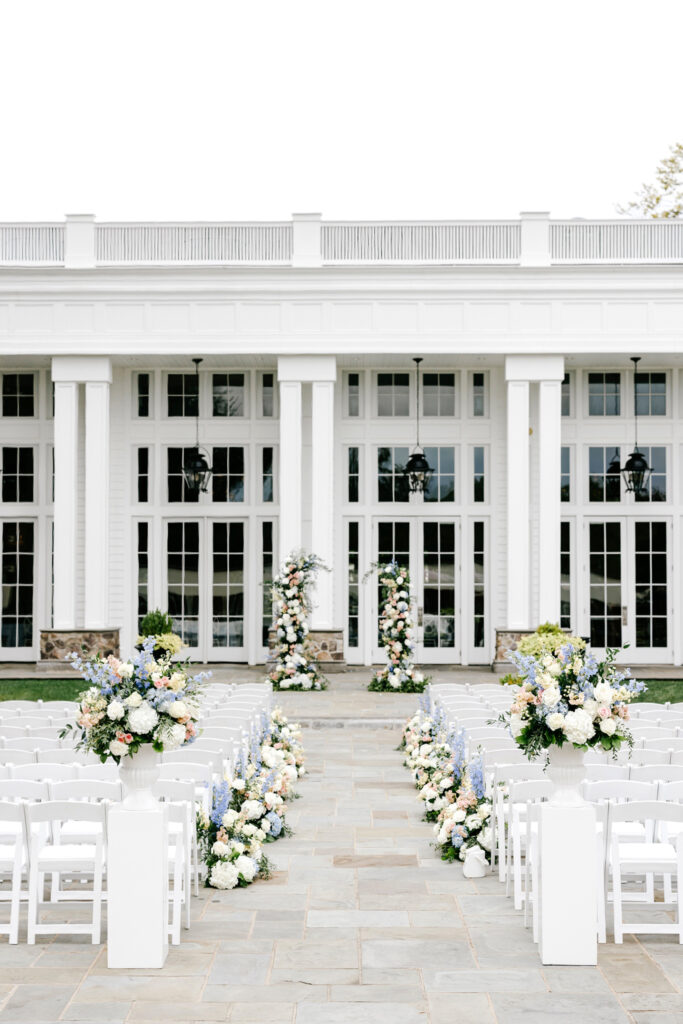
(29, 743)
(522, 794)
(20, 705)
(642, 707)
(505, 774)
(606, 772)
(107, 772)
(656, 772)
(652, 857)
(647, 756)
(13, 862)
(49, 855)
(651, 732)
(201, 775)
(65, 708)
(12, 732)
(14, 756)
(183, 832)
(66, 755)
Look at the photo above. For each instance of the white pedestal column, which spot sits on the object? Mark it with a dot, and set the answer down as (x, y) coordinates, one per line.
(518, 565)
(290, 537)
(65, 502)
(567, 885)
(322, 498)
(549, 506)
(137, 882)
(96, 504)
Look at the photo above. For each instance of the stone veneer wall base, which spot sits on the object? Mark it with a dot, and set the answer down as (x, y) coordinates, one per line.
(325, 647)
(55, 644)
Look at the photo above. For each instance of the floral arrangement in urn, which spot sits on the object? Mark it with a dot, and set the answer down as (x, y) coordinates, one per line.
(248, 810)
(292, 669)
(132, 703)
(569, 697)
(396, 633)
(159, 625)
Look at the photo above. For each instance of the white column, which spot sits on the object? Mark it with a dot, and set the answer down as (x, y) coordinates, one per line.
(291, 510)
(518, 563)
(66, 476)
(549, 510)
(96, 504)
(322, 497)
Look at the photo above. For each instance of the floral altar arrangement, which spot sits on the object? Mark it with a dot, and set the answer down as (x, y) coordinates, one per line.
(136, 703)
(569, 697)
(292, 669)
(454, 791)
(396, 633)
(248, 810)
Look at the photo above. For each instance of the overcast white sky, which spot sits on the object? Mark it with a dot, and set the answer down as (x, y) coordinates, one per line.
(356, 108)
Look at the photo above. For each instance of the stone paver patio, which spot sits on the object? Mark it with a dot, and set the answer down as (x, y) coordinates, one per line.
(362, 924)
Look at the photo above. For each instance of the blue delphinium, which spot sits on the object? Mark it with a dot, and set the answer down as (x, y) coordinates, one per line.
(477, 781)
(275, 823)
(222, 795)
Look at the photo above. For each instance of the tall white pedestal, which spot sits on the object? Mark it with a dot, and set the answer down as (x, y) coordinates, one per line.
(568, 885)
(137, 873)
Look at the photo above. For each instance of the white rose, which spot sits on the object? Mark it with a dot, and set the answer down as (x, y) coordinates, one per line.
(484, 811)
(555, 721)
(236, 846)
(173, 736)
(116, 710)
(458, 815)
(516, 725)
(126, 670)
(177, 709)
(142, 719)
(603, 693)
(220, 849)
(224, 875)
(608, 726)
(239, 785)
(472, 821)
(118, 749)
(252, 809)
(590, 707)
(230, 817)
(485, 837)
(246, 868)
(578, 727)
(551, 697)
(134, 700)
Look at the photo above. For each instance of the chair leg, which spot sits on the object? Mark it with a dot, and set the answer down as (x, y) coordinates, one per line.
(600, 872)
(32, 919)
(517, 869)
(16, 901)
(616, 900)
(97, 899)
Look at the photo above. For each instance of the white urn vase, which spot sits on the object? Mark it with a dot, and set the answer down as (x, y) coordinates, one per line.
(566, 771)
(138, 773)
(474, 865)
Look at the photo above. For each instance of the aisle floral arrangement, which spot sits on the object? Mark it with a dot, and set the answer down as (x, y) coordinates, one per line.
(396, 633)
(568, 696)
(291, 588)
(248, 810)
(144, 700)
(453, 790)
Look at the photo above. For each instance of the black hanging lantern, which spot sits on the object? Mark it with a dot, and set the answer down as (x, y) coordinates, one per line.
(417, 469)
(196, 469)
(636, 472)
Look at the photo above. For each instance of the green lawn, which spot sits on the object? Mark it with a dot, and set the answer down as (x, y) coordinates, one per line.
(661, 690)
(41, 689)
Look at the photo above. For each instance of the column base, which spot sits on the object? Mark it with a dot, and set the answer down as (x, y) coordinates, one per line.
(55, 644)
(324, 646)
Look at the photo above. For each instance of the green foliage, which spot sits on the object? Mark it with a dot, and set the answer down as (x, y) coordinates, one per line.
(663, 198)
(546, 640)
(510, 679)
(155, 623)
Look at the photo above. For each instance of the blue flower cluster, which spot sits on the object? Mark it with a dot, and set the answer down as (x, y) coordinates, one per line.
(222, 796)
(275, 823)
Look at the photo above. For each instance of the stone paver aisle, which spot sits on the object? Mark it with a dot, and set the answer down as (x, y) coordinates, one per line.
(362, 924)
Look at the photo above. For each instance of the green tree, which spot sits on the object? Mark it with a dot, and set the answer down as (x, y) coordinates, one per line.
(664, 197)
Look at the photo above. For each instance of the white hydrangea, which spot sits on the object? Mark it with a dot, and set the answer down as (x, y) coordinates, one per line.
(116, 710)
(173, 736)
(578, 727)
(551, 697)
(142, 719)
(230, 817)
(252, 809)
(608, 726)
(134, 700)
(220, 849)
(246, 868)
(178, 709)
(603, 693)
(224, 875)
(118, 749)
(555, 721)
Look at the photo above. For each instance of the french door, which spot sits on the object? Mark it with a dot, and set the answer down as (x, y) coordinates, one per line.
(205, 586)
(18, 589)
(629, 587)
(429, 549)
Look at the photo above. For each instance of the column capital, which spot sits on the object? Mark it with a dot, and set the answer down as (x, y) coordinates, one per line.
(307, 369)
(81, 369)
(534, 368)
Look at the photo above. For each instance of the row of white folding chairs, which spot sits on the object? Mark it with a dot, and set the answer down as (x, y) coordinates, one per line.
(32, 847)
(14, 708)
(639, 835)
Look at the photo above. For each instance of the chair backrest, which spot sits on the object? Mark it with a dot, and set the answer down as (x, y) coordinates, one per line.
(65, 810)
(64, 755)
(646, 810)
(44, 771)
(617, 790)
(66, 706)
(651, 732)
(657, 772)
(109, 771)
(23, 789)
(482, 732)
(30, 743)
(606, 772)
(86, 789)
(43, 732)
(671, 791)
(186, 771)
(643, 706)
(666, 743)
(507, 774)
(174, 790)
(20, 705)
(15, 756)
(530, 791)
(195, 755)
(10, 732)
(650, 756)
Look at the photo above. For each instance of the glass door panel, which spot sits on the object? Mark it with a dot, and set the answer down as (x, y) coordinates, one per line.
(650, 591)
(18, 558)
(438, 585)
(182, 581)
(605, 584)
(227, 591)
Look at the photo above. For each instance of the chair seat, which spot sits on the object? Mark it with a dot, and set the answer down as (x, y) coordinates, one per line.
(7, 855)
(651, 854)
(72, 829)
(68, 853)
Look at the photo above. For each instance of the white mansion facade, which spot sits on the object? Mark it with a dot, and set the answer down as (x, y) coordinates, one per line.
(306, 398)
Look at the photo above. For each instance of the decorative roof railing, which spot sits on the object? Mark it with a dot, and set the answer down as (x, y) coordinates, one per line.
(534, 240)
